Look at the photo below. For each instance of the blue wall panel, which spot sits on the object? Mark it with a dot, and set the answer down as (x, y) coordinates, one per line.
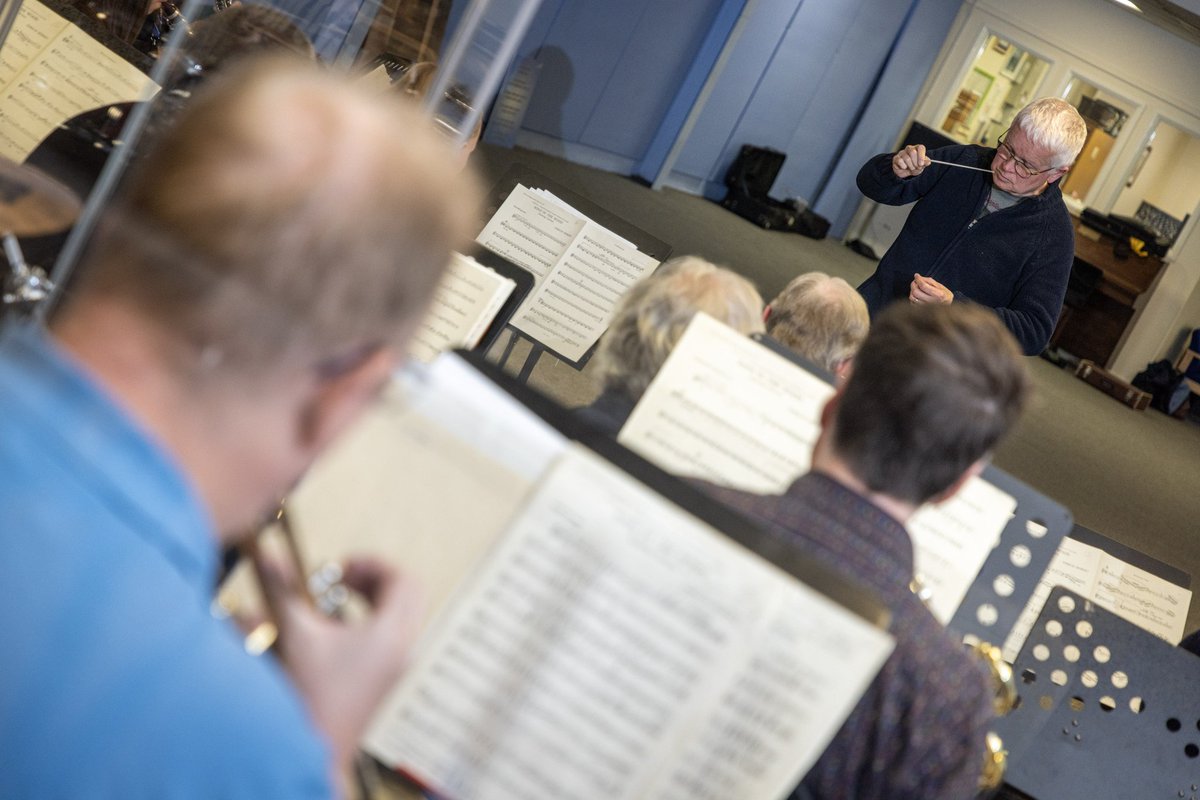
(649, 71)
(728, 102)
(888, 110)
(579, 54)
(840, 85)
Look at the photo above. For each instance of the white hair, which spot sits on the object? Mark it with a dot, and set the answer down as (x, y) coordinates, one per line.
(1054, 124)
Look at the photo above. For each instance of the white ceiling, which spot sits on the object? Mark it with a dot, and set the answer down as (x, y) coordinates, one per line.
(1181, 17)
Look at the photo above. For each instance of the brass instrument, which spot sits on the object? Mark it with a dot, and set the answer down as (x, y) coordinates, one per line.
(1004, 700)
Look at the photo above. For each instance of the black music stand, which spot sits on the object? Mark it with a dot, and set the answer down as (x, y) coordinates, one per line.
(526, 176)
(1107, 710)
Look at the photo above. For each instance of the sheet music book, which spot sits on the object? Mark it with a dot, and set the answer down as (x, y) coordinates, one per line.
(464, 305)
(1137, 595)
(50, 71)
(592, 638)
(728, 410)
(734, 412)
(580, 268)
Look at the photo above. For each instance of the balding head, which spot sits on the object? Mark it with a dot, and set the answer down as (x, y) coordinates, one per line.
(289, 217)
(823, 319)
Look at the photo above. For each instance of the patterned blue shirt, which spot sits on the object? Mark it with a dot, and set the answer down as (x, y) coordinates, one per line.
(115, 680)
(918, 732)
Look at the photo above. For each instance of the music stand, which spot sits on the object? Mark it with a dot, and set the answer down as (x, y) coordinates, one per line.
(519, 174)
(523, 279)
(1107, 710)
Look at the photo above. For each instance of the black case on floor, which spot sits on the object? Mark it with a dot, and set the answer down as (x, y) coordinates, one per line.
(749, 179)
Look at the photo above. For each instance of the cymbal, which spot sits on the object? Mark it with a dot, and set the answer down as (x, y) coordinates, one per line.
(32, 203)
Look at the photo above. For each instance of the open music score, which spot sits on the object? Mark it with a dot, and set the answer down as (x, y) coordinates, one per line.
(50, 71)
(581, 269)
(1132, 593)
(614, 646)
(729, 410)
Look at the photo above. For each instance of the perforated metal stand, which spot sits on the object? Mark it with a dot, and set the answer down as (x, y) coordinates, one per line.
(1012, 570)
(1107, 710)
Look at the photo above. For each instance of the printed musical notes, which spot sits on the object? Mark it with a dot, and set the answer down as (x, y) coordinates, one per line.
(464, 305)
(609, 646)
(580, 268)
(50, 70)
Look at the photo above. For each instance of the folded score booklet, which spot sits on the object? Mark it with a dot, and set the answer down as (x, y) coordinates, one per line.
(464, 305)
(580, 268)
(734, 412)
(601, 642)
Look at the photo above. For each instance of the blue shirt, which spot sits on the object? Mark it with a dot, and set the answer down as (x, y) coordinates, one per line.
(115, 680)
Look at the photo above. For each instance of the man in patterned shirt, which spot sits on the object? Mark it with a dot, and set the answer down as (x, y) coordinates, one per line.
(931, 392)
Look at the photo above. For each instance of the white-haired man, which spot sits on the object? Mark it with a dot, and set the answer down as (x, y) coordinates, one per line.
(998, 235)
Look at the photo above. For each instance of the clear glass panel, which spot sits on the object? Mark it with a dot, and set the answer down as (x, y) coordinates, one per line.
(1161, 191)
(75, 76)
(1105, 115)
(1002, 78)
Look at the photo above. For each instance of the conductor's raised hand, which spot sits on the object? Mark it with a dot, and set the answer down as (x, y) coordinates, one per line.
(344, 669)
(928, 291)
(910, 161)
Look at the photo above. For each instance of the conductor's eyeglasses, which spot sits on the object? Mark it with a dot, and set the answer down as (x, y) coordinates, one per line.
(1023, 168)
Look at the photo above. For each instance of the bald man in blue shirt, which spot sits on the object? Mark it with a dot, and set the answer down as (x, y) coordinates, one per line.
(246, 296)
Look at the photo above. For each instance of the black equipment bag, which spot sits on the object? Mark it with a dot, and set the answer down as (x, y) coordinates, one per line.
(749, 179)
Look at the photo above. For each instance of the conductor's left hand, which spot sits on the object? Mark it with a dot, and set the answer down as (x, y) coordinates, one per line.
(927, 290)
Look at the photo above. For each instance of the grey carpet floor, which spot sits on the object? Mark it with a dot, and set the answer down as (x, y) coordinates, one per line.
(1132, 476)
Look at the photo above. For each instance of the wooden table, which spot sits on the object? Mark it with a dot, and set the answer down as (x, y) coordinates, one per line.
(1093, 330)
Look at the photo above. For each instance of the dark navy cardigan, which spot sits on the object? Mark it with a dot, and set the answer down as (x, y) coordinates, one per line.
(1016, 260)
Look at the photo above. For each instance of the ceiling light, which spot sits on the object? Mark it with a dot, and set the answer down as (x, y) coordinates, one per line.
(1128, 4)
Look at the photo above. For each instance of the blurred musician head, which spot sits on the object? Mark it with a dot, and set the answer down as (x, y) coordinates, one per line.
(262, 270)
(823, 319)
(931, 392)
(651, 317)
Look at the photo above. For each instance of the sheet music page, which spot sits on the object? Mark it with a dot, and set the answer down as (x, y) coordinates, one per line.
(1130, 592)
(598, 636)
(465, 303)
(729, 410)
(1075, 565)
(421, 483)
(532, 231)
(785, 706)
(952, 540)
(1142, 598)
(572, 306)
(53, 71)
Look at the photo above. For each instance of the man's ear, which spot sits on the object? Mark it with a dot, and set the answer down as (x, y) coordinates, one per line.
(954, 488)
(337, 400)
(842, 370)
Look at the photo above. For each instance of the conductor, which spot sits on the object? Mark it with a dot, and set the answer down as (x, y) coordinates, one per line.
(989, 225)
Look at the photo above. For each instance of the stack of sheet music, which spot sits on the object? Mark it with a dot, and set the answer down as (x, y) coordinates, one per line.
(581, 269)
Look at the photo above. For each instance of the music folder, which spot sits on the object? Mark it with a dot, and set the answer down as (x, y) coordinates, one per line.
(606, 631)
